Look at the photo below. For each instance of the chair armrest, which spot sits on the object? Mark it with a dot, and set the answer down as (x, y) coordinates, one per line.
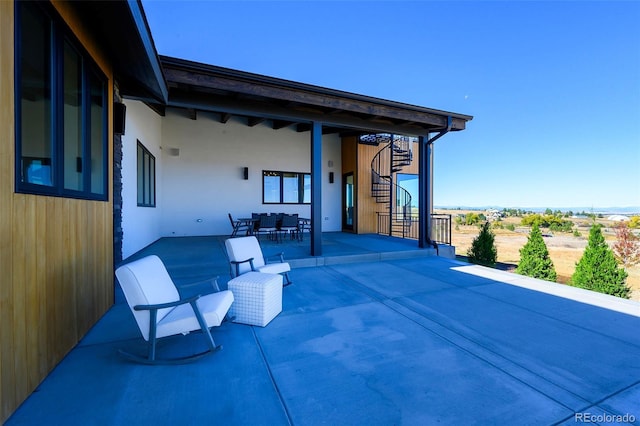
(166, 305)
(240, 262)
(278, 255)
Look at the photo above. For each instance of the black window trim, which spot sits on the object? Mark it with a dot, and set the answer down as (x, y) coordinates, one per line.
(145, 172)
(301, 176)
(59, 33)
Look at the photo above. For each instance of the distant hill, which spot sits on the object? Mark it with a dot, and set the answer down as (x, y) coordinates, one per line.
(634, 210)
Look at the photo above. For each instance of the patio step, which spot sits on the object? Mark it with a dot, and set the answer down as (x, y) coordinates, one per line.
(361, 257)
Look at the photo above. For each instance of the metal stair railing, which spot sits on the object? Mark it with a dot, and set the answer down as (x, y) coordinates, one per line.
(396, 154)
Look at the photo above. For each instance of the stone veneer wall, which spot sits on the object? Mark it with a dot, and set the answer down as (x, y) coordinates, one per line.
(117, 191)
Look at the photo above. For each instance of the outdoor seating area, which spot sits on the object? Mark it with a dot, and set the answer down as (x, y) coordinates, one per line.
(275, 226)
(404, 339)
(160, 311)
(245, 255)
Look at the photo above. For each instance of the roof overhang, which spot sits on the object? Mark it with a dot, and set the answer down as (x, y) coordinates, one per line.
(122, 28)
(196, 86)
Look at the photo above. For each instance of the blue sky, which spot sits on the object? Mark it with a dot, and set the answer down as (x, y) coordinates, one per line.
(554, 87)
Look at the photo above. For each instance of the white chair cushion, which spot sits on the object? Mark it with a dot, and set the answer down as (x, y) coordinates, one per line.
(243, 248)
(213, 307)
(275, 268)
(146, 282)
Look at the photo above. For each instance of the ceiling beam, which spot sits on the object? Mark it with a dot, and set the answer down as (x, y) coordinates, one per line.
(254, 121)
(161, 110)
(224, 117)
(312, 97)
(281, 124)
(303, 127)
(270, 111)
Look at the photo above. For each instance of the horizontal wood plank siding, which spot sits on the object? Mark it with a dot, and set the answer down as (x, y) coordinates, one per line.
(366, 206)
(56, 260)
(350, 165)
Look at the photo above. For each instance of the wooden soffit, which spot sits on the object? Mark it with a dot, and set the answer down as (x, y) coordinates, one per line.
(211, 88)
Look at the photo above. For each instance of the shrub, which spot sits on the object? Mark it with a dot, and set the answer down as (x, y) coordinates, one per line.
(472, 218)
(511, 227)
(534, 258)
(483, 250)
(554, 223)
(597, 270)
(626, 249)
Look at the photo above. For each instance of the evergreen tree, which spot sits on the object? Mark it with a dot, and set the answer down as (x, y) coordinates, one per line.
(483, 250)
(597, 270)
(534, 257)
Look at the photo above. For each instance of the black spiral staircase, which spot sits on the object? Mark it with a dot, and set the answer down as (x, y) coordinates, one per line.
(395, 154)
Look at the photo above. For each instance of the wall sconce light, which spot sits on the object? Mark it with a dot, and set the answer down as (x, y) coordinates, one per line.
(330, 177)
(245, 173)
(119, 118)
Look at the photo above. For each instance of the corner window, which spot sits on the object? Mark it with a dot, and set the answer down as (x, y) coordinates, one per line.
(146, 177)
(286, 187)
(61, 110)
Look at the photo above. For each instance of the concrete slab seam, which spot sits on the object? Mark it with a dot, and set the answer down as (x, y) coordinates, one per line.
(422, 320)
(271, 376)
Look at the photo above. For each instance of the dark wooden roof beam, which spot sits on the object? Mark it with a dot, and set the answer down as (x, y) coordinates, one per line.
(309, 96)
(303, 127)
(270, 111)
(281, 124)
(161, 110)
(224, 117)
(254, 121)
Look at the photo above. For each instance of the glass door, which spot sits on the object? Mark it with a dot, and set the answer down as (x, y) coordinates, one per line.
(347, 202)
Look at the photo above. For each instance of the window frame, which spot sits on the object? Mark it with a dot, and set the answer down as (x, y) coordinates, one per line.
(301, 177)
(146, 176)
(61, 35)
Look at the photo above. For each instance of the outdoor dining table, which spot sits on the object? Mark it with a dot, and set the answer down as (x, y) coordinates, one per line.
(249, 222)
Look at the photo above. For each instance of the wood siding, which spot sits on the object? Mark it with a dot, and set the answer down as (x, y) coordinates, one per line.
(357, 158)
(350, 165)
(56, 260)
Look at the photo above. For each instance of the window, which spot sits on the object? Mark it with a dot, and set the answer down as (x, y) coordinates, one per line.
(286, 187)
(61, 110)
(146, 177)
(409, 183)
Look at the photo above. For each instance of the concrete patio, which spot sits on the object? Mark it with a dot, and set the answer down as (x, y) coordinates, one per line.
(377, 332)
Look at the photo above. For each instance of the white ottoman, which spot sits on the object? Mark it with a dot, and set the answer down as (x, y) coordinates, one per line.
(257, 298)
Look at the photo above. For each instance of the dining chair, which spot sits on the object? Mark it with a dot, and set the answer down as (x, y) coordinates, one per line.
(239, 226)
(290, 225)
(267, 225)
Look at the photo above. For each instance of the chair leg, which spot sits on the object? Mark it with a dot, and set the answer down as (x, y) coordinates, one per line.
(151, 356)
(204, 327)
(289, 282)
(152, 335)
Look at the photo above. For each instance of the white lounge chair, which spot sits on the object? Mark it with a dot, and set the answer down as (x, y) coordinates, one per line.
(245, 255)
(159, 312)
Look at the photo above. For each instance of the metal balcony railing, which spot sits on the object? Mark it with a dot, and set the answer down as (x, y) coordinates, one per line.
(406, 226)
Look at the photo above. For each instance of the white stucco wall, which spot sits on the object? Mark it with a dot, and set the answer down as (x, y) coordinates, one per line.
(203, 182)
(140, 225)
